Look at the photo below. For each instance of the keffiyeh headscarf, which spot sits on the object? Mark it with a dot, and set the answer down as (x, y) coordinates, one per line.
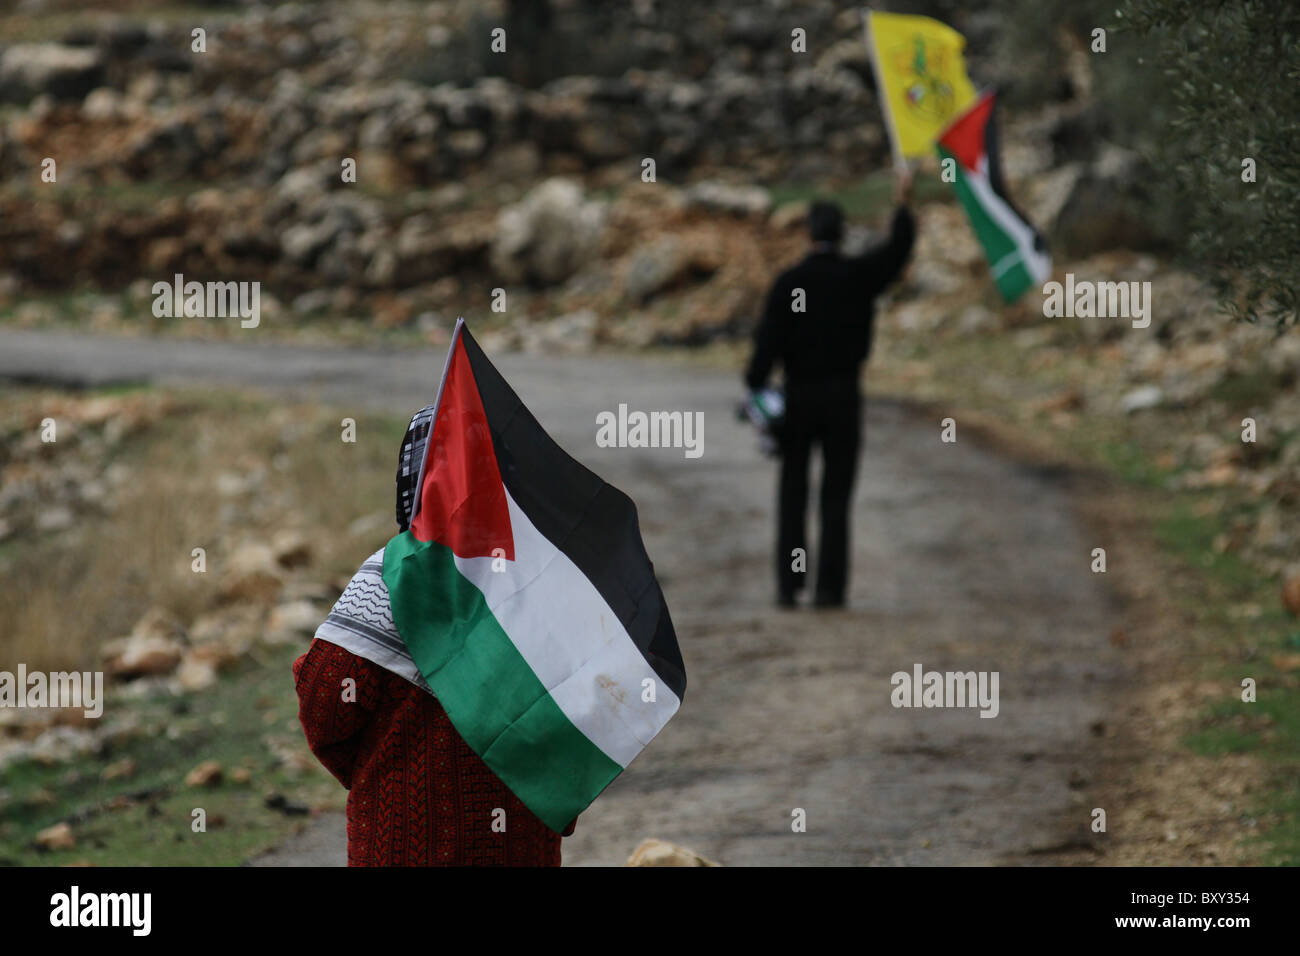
(408, 463)
(361, 621)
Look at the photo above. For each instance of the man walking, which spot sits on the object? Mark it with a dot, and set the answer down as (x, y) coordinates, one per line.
(818, 325)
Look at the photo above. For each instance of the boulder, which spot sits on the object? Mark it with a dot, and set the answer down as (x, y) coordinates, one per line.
(252, 575)
(142, 655)
(55, 518)
(653, 852)
(291, 549)
(230, 627)
(729, 198)
(569, 334)
(197, 671)
(1142, 398)
(292, 620)
(28, 70)
(103, 104)
(303, 242)
(206, 774)
(304, 184)
(158, 622)
(789, 215)
(122, 769)
(547, 236)
(1104, 207)
(57, 837)
(654, 268)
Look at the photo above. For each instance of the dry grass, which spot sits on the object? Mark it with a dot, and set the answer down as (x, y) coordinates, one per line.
(62, 594)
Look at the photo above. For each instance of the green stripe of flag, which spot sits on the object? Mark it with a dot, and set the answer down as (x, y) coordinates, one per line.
(492, 696)
(1006, 258)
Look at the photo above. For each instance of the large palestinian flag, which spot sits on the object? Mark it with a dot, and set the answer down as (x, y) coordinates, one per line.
(1016, 252)
(524, 594)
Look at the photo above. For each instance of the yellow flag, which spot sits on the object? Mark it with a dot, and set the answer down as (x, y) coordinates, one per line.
(920, 77)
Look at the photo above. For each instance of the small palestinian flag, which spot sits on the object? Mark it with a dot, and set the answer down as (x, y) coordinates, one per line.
(1017, 254)
(524, 594)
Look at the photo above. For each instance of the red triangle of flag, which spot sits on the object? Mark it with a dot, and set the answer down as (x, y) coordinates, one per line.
(462, 501)
(965, 136)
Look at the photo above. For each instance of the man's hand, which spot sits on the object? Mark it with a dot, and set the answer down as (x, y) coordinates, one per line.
(903, 187)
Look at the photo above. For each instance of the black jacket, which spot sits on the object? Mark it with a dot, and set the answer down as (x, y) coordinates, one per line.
(832, 338)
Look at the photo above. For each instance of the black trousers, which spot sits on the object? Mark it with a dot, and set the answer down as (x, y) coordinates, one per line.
(828, 415)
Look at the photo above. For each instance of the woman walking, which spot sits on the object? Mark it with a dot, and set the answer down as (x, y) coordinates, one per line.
(418, 795)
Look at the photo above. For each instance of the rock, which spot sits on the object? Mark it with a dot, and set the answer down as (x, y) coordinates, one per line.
(1291, 594)
(278, 801)
(119, 770)
(206, 774)
(228, 628)
(549, 235)
(57, 837)
(291, 620)
(371, 524)
(251, 575)
(432, 324)
(1147, 396)
(10, 284)
(158, 622)
(789, 215)
(314, 300)
(305, 183)
(932, 278)
(1047, 193)
(173, 146)
(55, 518)
(726, 197)
(564, 335)
(230, 484)
(653, 852)
(848, 54)
(291, 549)
(196, 673)
(519, 162)
(303, 242)
(62, 72)
(1216, 476)
(390, 312)
(142, 655)
(59, 745)
(654, 268)
(467, 143)
(222, 653)
(1104, 207)
(977, 319)
(103, 104)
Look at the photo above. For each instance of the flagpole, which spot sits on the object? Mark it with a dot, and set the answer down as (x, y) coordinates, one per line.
(433, 419)
(900, 161)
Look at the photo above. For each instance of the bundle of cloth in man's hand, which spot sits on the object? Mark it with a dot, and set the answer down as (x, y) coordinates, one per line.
(765, 410)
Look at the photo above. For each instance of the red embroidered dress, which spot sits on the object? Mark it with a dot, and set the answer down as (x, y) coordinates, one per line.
(419, 796)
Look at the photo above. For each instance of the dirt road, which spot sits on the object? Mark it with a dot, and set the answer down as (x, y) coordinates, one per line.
(962, 561)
